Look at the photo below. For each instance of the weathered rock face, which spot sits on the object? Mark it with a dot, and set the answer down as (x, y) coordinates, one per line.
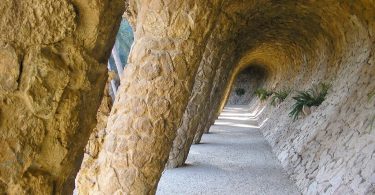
(52, 73)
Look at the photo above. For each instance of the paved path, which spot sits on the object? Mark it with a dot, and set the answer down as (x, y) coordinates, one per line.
(233, 159)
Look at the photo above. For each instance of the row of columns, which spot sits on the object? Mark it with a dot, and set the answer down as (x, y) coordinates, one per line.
(172, 74)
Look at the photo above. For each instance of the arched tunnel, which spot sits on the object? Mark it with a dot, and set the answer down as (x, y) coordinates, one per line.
(247, 81)
(67, 82)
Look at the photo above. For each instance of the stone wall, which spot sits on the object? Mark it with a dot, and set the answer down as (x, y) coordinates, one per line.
(331, 150)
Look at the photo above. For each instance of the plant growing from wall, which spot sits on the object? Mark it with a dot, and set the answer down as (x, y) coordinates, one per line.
(312, 97)
(279, 96)
(263, 94)
(372, 121)
(240, 91)
(371, 95)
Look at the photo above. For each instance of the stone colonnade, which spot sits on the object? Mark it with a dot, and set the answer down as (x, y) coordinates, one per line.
(184, 60)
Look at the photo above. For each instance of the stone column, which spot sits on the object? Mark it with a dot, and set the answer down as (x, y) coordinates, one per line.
(170, 38)
(53, 69)
(202, 90)
(95, 141)
(220, 99)
(216, 96)
(199, 97)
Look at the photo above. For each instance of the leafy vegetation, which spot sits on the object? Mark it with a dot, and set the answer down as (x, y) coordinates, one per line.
(279, 96)
(240, 91)
(372, 121)
(312, 97)
(263, 94)
(371, 95)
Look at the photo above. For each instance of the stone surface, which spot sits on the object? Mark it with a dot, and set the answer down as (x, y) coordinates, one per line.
(95, 143)
(52, 75)
(196, 109)
(329, 151)
(53, 72)
(9, 69)
(153, 94)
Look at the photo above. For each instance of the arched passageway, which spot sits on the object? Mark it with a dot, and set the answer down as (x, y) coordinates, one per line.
(177, 80)
(245, 85)
(234, 158)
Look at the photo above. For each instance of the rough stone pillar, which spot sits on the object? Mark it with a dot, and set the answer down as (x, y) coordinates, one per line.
(220, 99)
(198, 98)
(214, 108)
(53, 69)
(202, 90)
(185, 132)
(96, 140)
(170, 38)
(215, 96)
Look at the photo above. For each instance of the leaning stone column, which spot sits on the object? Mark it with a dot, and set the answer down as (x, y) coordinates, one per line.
(215, 96)
(170, 38)
(202, 90)
(53, 70)
(198, 98)
(220, 100)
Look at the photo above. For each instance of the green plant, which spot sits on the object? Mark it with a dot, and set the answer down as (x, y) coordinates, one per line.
(372, 120)
(371, 95)
(312, 97)
(263, 94)
(372, 123)
(279, 96)
(240, 91)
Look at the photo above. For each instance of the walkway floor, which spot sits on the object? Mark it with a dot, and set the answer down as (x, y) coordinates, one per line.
(233, 159)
